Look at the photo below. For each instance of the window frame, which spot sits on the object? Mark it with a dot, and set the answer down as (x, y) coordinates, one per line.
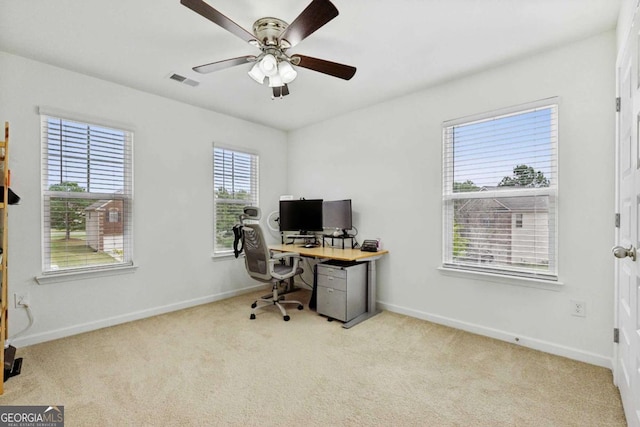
(551, 192)
(254, 182)
(49, 272)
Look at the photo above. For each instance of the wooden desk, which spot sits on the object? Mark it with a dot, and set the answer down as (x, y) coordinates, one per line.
(345, 255)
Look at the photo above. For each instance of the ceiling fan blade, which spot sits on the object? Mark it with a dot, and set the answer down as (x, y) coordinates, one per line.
(202, 8)
(318, 13)
(221, 65)
(323, 66)
(279, 92)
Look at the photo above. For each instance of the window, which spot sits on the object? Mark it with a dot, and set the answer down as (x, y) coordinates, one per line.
(519, 219)
(235, 183)
(500, 189)
(86, 184)
(113, 215)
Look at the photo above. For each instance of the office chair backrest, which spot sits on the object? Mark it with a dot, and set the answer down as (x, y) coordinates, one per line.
(256, 252)
(252, 213)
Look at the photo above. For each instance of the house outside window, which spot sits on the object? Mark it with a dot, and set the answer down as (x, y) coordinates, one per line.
(86, 173)
(500, 190)
(235, 183)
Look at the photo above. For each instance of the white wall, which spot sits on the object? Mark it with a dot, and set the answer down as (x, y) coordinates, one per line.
(173, 207)
(387, 158)
(625, 20)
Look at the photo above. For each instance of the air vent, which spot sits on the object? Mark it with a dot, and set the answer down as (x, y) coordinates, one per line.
(184, 80)
(178, 78)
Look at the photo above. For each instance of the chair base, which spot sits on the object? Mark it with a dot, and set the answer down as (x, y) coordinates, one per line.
(274, 299)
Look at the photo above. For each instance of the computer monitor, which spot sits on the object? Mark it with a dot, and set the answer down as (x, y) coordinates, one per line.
(337, 214)
(301, 215)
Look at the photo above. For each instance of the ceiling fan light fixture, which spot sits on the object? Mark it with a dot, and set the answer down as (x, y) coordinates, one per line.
(275, 80)
(286, 71)
(256, 73)
(269, 65)
(274, 37)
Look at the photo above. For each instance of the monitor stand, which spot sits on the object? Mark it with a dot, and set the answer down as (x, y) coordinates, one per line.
(339, 238)
(307, 239)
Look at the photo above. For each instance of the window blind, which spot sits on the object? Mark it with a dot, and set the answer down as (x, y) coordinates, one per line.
(235, 183)
(87, 189)
(500, 189)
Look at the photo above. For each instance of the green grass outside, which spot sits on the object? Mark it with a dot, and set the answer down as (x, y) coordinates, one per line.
(75, 252)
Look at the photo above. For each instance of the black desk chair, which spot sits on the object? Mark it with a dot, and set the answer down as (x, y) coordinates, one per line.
(265, 266)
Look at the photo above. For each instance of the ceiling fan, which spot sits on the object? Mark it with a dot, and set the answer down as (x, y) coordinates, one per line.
(273, 37)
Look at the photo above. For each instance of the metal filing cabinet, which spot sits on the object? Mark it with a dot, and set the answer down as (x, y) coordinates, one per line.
(341, 290)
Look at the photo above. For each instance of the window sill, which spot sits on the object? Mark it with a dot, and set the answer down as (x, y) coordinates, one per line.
(225, 256)
(551, 285)
(67, 276)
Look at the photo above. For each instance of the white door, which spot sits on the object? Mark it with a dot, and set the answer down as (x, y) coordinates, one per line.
(627, 354)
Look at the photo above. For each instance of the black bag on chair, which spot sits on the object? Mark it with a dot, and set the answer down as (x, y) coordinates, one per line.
(238, 244)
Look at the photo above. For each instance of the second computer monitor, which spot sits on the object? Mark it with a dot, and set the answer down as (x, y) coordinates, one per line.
(337, 214)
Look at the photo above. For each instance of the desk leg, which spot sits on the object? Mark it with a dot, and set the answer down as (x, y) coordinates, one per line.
(372, 308)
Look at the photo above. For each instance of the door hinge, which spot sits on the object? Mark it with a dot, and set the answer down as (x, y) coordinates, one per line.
(616, 335)
(617, 220)
(618, 101)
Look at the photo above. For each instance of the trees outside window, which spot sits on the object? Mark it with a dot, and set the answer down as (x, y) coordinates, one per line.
(68, 214)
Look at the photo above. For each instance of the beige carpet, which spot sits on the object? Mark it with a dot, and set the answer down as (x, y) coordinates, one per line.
(211, 365)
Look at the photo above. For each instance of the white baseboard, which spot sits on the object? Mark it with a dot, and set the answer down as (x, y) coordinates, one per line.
(533, 343)
(26, 340)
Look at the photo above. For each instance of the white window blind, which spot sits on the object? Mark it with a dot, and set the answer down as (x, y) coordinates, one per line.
(235, 183)
(87, 190)
(500, 189)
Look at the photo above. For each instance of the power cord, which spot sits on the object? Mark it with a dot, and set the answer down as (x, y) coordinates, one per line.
(310, 269)
(31, 322)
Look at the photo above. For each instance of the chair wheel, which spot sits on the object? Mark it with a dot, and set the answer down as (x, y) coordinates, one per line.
(300, 307)
(286, 318)
(254, 305)
(252, 317)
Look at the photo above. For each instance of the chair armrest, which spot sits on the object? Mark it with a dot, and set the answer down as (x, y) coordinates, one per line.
(295, 257)
(282, 255)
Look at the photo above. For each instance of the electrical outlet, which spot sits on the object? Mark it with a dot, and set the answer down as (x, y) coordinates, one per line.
(21, 300)
(578, 308)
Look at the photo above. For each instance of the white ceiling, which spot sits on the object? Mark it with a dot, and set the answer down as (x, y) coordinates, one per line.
(398, 46)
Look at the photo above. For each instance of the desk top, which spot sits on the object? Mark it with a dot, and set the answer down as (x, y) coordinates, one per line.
(328, 252)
